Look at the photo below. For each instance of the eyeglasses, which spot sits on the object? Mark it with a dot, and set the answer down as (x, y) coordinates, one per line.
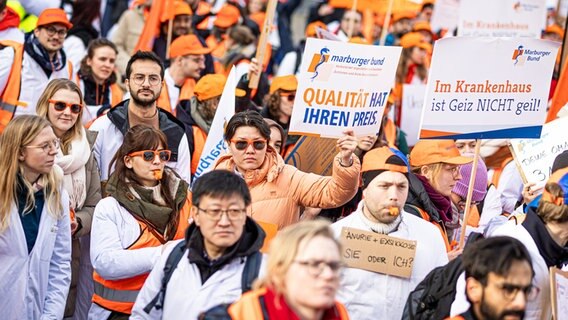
(216, 214)
(242, 144)
(510, 291)
(316, 267)
(289, 96)
(62, 105)
(47, 146)
(51, 31)
(455, 170)
(150, 155)
(153, 79)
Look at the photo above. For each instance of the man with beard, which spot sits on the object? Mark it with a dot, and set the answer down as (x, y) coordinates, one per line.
(187, 62)
(373, 295)
(144, 77)
(499, 275)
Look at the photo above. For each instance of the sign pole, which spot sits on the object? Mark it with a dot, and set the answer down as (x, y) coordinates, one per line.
(263, 40)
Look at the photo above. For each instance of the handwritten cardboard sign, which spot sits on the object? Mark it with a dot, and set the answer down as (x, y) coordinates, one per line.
(559, 293)
(536, 156)
(378, 252)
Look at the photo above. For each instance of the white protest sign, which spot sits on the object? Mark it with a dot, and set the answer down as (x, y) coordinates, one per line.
(342, 85)
(502, 18)
(215, 145)
(445, 15)
(324, 34)
(536, 156)
(559, 293)
(481, 88)
(412, 102)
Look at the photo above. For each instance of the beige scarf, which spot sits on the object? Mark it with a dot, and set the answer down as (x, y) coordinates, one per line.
(73, 165)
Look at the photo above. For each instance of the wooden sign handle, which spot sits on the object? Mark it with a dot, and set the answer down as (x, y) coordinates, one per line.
(262, 41)
(470, 192)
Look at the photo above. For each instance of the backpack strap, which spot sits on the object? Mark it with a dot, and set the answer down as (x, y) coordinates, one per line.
(171, 264)
(251, 270)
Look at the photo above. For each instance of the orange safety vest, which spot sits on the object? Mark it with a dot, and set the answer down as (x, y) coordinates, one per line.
(441, 228)
(199, 138)
(9, 98)
(185, 93)
(249, 307)
(390, 132)
(120, 295)
(116, 93)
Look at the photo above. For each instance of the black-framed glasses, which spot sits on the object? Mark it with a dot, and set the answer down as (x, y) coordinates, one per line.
(510, 291)
(242, 144)
(59, 105)
(153, 79)
(51, 31)
(47, 146)
(216, 214)
(150, 155)
(316, 267)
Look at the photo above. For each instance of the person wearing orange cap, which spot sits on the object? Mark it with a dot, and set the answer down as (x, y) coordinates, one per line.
(197, 113)
(424, 28)
(401, 24)
(372, 295)
(426, 11)
(435, 166)
(42, 60)
(180, 26)
(278, 104)
(187, 55)
(228, 16)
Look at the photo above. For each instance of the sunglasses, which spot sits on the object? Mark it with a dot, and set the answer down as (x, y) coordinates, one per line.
(62, 105)
(150, 155)
(242, 144)
(289, 96)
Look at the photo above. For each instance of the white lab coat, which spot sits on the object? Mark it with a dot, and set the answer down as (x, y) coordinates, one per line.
(113, 230)
(370, 295)
(34, 81)
(35, 285)
(186, 297)
(110, 139)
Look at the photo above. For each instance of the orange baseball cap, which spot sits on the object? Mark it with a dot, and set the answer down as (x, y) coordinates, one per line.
(311, 28)
(188, 44)
(403, 15)
(358, 40)
(379, 160)
(226, 17)
(286, 83)
(427, 152)
(554, 28)
(51, 16)
(180, 8)
(422, 26)
(209, 86)
(415, 39)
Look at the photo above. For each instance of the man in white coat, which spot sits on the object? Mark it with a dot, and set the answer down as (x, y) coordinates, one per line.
(370, 295)
(145, 74)
(216, 251)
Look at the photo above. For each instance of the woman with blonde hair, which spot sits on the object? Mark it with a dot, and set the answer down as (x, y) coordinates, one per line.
(35, 237)
(301, 279)
(62, 105)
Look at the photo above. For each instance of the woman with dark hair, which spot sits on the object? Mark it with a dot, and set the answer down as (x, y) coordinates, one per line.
(279, 190)
(277, 136)
(147, 207)
(82, 32)
(97, 78)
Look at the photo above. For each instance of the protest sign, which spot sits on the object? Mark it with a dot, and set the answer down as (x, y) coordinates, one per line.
(324, 34)
(559, 293)
(215, 145)
(482, 88)
(535, 156)
(342, 85)
(313, 155)
(503, 18)
(445, 15)
(412, 102)
(378, 252)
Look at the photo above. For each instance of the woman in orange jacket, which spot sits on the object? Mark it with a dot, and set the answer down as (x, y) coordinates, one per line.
(279, 190)
(301, 280)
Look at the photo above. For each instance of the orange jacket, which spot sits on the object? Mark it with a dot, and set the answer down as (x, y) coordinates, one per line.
(199, 138)
(186, 93)
(279, 190)
(249, 307)
(9, 98)
(120, 295)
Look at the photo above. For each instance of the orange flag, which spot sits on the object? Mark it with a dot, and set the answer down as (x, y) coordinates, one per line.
(160, 11)
(560, 97)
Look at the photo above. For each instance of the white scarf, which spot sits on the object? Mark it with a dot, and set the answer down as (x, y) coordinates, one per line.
(73, 165)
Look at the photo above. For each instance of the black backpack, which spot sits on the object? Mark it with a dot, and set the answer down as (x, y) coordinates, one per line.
(433, 297)
(250, 273)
